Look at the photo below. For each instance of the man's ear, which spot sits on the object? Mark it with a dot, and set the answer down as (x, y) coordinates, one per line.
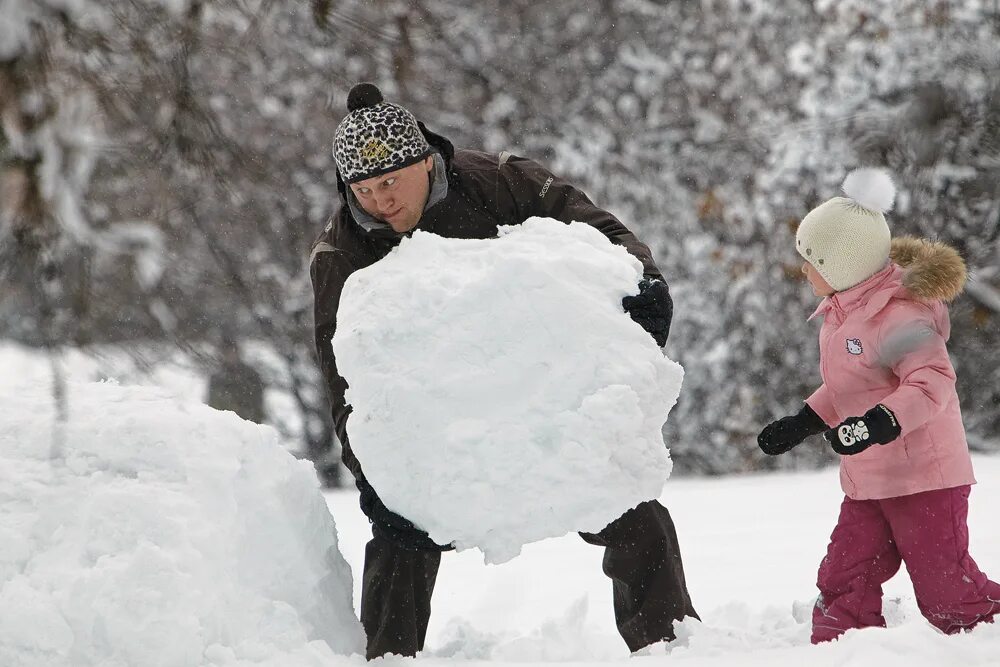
(429, 163)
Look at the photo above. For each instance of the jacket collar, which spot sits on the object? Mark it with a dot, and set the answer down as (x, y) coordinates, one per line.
(871, 296)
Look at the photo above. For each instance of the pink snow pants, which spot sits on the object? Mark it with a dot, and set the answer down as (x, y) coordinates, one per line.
(929, 533)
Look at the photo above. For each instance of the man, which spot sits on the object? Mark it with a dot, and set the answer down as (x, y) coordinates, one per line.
(395, 176)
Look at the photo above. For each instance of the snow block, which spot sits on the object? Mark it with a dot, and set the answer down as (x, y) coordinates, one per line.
(500, 393)
(146, 531)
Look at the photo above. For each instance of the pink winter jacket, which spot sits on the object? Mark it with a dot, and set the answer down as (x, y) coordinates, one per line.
(883, 341)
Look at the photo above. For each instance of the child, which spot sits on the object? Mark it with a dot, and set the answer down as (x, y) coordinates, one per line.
(889, 395)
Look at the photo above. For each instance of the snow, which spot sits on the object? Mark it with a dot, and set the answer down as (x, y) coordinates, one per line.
(751, 547)
(500, 393)
(15, 34)
(19, 20)
(145, 530)
(106, 534)
(178, 373)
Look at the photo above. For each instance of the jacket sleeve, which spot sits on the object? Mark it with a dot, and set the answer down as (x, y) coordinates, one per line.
(917, 354)
(527, 189)
(822, 404)
(329, 269)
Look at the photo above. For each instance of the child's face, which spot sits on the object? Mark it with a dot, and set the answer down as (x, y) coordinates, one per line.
(819, 284)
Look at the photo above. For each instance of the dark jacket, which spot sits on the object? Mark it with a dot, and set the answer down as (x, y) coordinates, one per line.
(484, 192)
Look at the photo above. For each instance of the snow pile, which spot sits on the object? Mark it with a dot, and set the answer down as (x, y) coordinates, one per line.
(500, 393)
(145, 531)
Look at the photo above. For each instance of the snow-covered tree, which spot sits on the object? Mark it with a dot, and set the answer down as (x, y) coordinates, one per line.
(190, 141)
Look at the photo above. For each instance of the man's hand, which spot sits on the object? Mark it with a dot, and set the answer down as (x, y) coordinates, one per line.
(392, 527)
(788, 432)
(652, 309)
(854, 435)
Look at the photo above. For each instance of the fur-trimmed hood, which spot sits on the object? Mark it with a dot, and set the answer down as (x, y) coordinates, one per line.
(919, 270)
(932, 271)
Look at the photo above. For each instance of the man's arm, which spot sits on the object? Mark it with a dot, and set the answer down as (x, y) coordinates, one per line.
(532, 190)
(329, 269)
(526, 189)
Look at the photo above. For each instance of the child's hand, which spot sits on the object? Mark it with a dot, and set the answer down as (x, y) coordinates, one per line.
(854, 435)
(788, 432)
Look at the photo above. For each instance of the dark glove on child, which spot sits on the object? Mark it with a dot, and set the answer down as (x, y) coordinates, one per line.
(854, 435)
(788, 432)
(652, 309)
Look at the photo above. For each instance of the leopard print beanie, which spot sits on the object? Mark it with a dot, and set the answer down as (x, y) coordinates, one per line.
(376, 137)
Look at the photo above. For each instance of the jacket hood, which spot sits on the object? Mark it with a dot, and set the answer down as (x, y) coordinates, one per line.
(919, 269)
(932, 271)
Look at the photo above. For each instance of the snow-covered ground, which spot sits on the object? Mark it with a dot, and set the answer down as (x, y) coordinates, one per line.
(751, 546)
(79, 528)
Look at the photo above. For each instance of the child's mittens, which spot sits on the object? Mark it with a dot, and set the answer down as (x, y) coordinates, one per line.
(783, 435)
(854, 435)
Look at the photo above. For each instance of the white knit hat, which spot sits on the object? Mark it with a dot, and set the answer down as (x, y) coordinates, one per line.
(847, 239)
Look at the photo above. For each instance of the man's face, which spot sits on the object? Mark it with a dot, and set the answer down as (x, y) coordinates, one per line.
(397, 198)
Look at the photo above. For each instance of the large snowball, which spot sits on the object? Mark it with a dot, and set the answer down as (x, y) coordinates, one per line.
(500, 393)
(144, 531)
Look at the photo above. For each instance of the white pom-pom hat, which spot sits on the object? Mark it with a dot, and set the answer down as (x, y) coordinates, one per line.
(847, 239)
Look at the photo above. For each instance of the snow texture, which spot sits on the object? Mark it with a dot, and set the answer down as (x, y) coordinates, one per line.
(15, 34)
(20, 20)
(551, 604)
(146, 531)
(871, 188)
(751, 573)
(500, 394)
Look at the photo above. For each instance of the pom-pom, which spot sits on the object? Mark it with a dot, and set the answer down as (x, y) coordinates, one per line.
(363, 95)
(871, 188)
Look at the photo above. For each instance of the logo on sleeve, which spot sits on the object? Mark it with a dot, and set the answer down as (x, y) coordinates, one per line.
(854, 346)
(545, 187)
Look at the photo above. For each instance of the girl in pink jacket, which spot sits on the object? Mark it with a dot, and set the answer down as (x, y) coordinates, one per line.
(888, 405)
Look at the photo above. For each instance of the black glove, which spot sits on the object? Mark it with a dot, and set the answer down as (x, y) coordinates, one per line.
(392, 527)
(788, 432)
(652, 309)
(854, 435)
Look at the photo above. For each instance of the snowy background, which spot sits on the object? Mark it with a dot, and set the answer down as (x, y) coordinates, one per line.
(165, 165)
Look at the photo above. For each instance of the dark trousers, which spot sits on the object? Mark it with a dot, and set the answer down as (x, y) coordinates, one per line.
(641, 557)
